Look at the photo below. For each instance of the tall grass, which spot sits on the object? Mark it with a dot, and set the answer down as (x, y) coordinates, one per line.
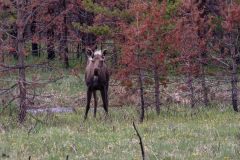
(178, 133)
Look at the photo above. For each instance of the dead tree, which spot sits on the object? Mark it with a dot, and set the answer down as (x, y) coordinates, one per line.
(157, 88)
(21, 62)
(64, 35)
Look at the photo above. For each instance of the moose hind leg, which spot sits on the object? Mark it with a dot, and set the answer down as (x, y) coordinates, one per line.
(89, 96)
(107, 95)
(104, 99)
(95, 103)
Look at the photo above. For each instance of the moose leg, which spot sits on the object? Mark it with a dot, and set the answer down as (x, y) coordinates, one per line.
(95, 103)
(107, 94)
(104, 99)
(89, 96)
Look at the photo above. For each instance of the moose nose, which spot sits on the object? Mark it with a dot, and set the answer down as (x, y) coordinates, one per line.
(96, 70)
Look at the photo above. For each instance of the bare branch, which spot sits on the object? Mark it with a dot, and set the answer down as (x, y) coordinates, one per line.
(5, 90)
(140, 141)
(5, 106)
(219, 60)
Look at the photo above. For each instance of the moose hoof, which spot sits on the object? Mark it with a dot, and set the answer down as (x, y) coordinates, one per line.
(85, 118)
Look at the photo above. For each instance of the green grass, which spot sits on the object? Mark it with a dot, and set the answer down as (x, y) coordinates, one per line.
(177, 134)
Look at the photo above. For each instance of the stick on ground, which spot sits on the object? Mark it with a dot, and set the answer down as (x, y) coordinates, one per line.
(140, 141)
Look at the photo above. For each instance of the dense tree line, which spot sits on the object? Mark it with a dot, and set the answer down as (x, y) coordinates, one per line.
(153, 40)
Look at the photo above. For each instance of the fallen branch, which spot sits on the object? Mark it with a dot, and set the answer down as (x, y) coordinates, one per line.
(6, 105)
(140, 141)
(33, 127)
(37, 119)
(5, 90)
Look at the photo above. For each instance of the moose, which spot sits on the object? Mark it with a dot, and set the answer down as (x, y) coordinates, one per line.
(96, 78)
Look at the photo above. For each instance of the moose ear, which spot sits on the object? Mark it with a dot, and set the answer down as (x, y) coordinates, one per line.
(89, 53)
(104, 52)
(95, 47)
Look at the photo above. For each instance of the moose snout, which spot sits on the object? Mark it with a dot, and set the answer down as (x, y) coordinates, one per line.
(96, 71)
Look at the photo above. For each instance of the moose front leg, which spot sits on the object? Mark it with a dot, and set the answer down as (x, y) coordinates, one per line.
(104, 99)
(89, 96)
(107, 100)
(95, 103)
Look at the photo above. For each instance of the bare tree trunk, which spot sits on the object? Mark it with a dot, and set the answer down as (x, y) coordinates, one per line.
(13, 34)
(203, 83)
(35, 49)
(34, 44)
(114, 58)
(2, 58)
(50, 44)
(140, 81)
(50, 51)
(66, 60)
(64, 37)
(1, 53)
(234, 80)
(157, 89)
(50, 36)
(21, 63)
(190, 86)
(140, 77)
(78, 51)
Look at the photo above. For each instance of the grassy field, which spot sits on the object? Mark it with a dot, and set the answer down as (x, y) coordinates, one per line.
(177, 133)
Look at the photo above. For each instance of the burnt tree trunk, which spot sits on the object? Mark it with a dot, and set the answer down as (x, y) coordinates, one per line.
(203, 82)
(21, 63)
(234, 80)
(114, 58)
(140, 77)
(1, 53)
(50, 39)
(191, 94)
(50, 51)
(157, 89)
(66, 59)
(50, 45)
(78, 51)
(13, 33)
(2, 58)
(205, 8)
(140, 81)
(64, 37)
(35, 51)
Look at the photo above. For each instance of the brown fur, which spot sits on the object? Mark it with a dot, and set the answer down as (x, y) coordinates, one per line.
(96, 78)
